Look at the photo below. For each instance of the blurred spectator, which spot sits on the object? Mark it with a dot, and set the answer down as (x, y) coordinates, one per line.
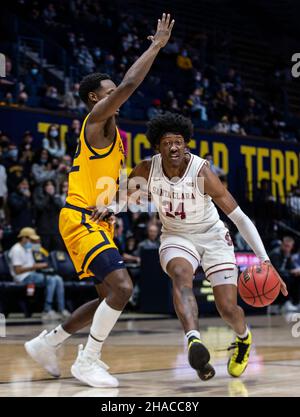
(1, 239)
(53, 143)
(14, 167)
(51, 100)
(223, 126)
(48, 205)
(119, 237)
(19, 203)
(63, 167)
(129, 255)
(155, 109)
(85, 59)
(63, 192)
(49, 14)
(151, 242)
(236, 128)
(3, 188)
(72, 137)
(34, 81)
(72, 100)
(214, 168)
(293, 202)
(281, 259)
(183, 61)
(42, 167)
(25, 270)
(198, 108)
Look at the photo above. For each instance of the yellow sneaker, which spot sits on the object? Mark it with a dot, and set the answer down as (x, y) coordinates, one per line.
(238, 362)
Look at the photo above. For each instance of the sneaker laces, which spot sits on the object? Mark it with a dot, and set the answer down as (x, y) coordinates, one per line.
(241, 351)
(94, 362)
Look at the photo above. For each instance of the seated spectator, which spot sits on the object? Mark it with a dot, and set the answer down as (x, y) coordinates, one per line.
(14, 167)
(214, 168)
(223, 126)
(198, 108)
(151, 242)
(72, 137)
(85, 59)
(20, 206)
(72, 100)
(53, 143)
(293, 201)
(48, 204)
(25, 270)
(282, 260)
(236, 128)
(51, 100)
(42, 169)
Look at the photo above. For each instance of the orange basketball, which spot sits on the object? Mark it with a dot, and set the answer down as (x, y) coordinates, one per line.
(259, 285)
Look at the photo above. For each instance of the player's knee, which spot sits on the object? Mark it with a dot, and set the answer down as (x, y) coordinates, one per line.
(123, 288)
(181, 275)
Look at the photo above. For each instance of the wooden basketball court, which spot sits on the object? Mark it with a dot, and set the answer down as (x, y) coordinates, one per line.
(148, 356)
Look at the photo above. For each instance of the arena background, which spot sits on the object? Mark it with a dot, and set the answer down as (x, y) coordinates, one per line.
(231, 66)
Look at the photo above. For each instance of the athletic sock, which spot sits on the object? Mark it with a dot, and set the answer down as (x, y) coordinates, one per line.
(244, 335)
(104, 320)
(192, 334)
(57, 336)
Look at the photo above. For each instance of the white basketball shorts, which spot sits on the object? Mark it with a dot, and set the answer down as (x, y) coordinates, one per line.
(213, 249)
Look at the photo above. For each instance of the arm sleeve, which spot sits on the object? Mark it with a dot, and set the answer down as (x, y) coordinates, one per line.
(249, 233)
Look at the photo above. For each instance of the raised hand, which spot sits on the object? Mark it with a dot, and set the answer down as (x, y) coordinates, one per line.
(163, 31)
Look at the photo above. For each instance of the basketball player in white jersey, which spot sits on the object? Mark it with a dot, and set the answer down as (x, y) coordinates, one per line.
(184, 190)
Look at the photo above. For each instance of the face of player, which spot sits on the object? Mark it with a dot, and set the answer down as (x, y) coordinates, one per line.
(172, 149)
(106, 88)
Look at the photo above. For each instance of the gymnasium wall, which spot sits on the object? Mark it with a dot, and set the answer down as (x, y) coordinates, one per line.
(246, 160)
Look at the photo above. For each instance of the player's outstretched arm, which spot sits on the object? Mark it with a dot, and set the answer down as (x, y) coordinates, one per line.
(223, 199)
(135, 75)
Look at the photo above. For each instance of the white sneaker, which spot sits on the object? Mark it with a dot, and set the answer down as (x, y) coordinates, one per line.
(51, 315)
(65, 314)
(288, 307)
(92, 372)
(44, 354)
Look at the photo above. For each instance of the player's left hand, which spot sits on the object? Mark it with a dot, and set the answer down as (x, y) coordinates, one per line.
(283, 287)
(99, 215)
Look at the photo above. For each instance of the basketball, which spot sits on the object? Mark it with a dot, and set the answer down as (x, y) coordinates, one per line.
(259, 285)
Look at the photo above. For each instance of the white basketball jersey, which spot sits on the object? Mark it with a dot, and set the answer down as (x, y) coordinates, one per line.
(181, 205)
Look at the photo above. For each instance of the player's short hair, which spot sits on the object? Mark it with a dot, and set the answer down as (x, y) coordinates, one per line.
(169, 123)
(90, 83)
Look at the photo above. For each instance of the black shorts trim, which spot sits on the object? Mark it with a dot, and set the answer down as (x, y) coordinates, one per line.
(95, 248)
(80, 209)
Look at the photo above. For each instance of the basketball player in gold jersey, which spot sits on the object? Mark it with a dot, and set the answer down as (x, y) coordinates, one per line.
(89, 243)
